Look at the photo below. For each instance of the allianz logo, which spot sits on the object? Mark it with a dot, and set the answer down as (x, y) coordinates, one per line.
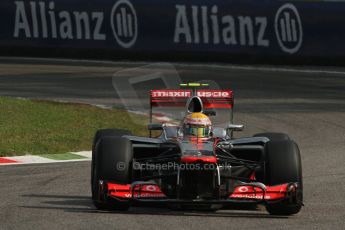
(193, 25)
(206, 25)
(42, 19)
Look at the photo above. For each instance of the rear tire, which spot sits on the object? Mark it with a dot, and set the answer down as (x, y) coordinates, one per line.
(274, 136)
(112, 162)
(283, 165)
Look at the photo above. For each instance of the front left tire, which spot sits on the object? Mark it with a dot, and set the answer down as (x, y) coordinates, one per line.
(99, 135)
(283, 165)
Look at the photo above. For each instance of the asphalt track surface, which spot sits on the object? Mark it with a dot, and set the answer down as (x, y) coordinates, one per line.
(307, 103)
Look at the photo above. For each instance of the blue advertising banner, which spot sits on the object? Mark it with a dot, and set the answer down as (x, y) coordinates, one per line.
(228, 27)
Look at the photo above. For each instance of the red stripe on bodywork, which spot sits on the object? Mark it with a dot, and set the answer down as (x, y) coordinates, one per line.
(217, 106)
(196, 159)
(6, 160)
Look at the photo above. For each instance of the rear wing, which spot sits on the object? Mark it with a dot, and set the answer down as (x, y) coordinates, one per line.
(211, 99)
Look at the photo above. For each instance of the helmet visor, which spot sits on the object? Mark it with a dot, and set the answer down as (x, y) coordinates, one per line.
(197, 130)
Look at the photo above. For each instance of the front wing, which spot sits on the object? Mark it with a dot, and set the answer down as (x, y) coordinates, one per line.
(150, 193)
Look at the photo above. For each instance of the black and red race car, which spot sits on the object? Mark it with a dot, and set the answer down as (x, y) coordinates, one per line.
(182, 169)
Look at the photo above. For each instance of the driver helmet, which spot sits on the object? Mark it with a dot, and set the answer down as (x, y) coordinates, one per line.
(198, 125)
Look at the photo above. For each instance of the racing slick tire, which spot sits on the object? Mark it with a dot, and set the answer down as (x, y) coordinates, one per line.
(283, 165)
(109, 133)
(104, 133)
(274, 136)
(112, 162)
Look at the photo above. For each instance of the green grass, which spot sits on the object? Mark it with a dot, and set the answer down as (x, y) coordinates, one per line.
(62, 156)
(43, 127)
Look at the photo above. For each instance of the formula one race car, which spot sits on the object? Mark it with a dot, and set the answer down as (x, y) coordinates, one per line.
(194, 164)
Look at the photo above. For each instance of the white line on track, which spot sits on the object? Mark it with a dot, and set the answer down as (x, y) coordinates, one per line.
(264, 68)
(46, 162)
(290, 69)
(36, 159)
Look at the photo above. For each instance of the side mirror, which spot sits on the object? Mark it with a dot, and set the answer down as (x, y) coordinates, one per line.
(233, 127)
(230, 128)
(171, 131)
(219, 133)
(152, 127)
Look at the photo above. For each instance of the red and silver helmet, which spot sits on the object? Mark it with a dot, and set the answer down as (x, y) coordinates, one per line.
(198, 125)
